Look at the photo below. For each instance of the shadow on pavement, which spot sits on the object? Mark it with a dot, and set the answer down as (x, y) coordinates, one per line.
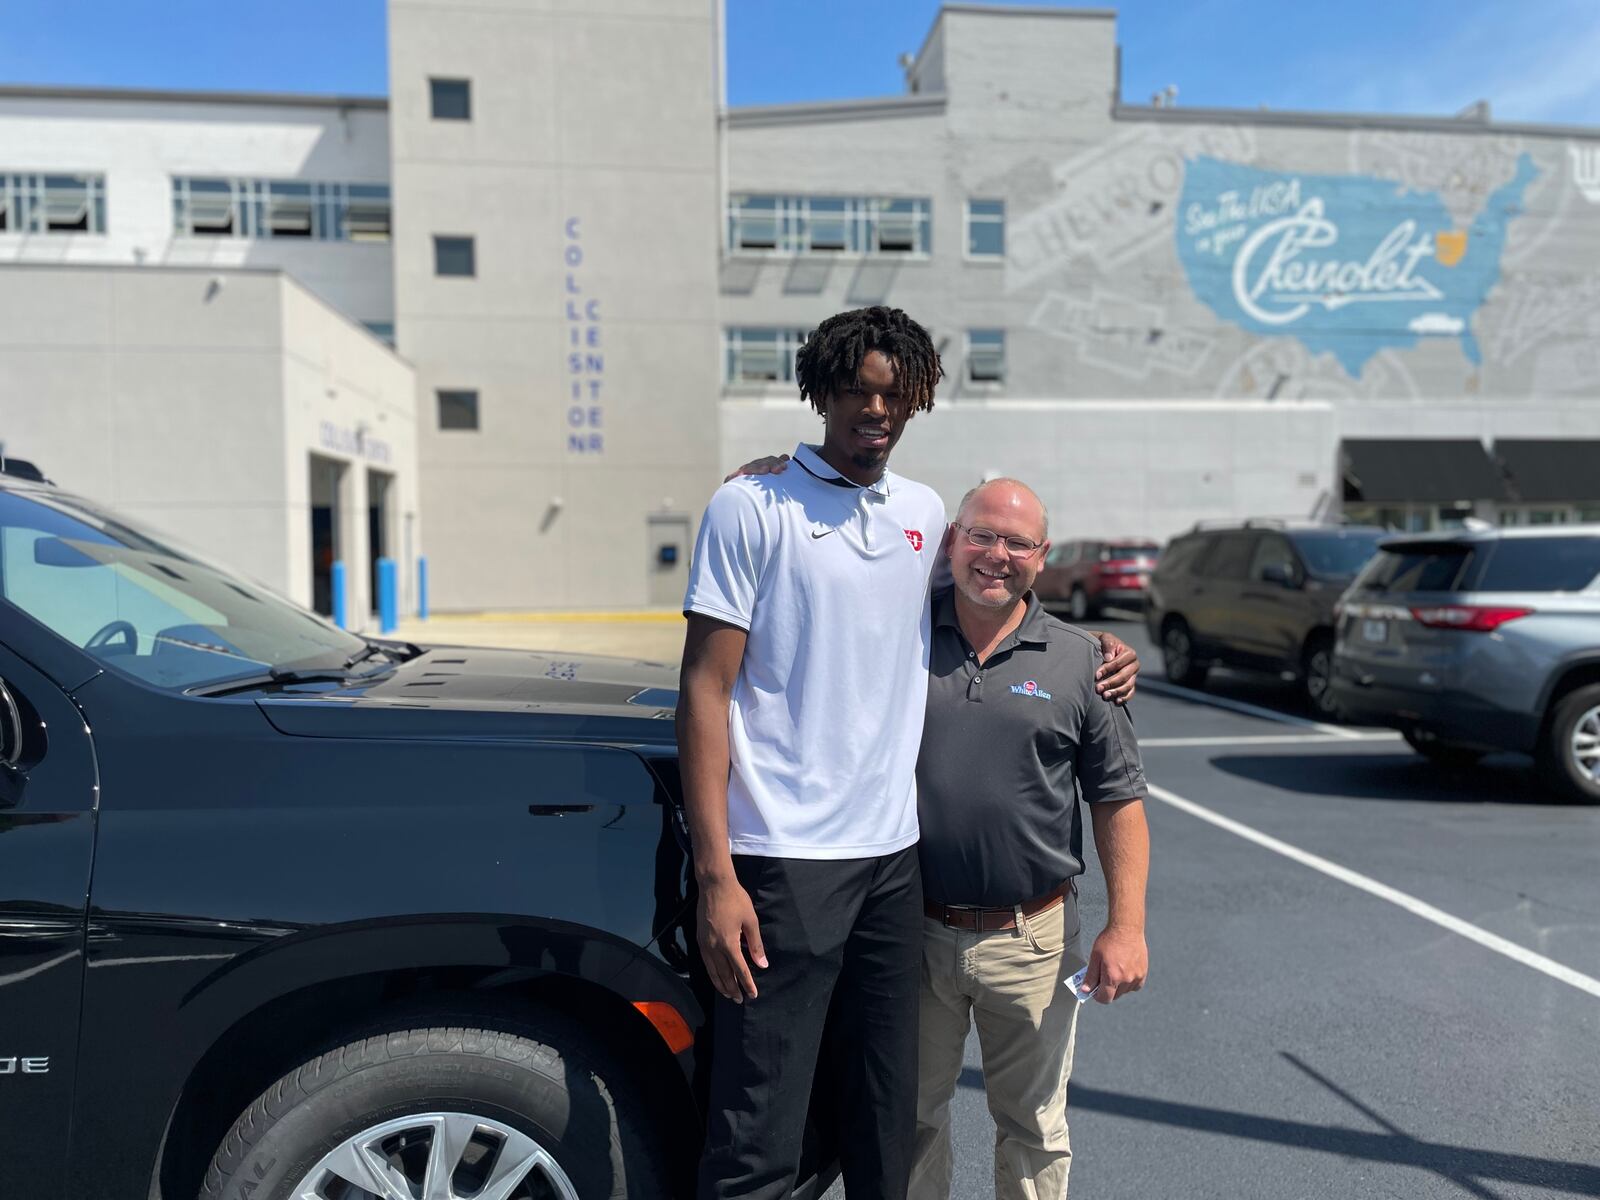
(1504, 779)
(1463, 1165)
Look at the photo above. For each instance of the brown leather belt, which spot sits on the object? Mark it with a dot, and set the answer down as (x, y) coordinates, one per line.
(962, 916)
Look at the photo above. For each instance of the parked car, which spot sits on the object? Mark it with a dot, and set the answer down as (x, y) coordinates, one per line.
(1258, 595)
(1483, 640)
(289, 912)
(1084, 576)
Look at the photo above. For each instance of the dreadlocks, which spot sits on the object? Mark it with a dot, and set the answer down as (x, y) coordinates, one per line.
(836, 348)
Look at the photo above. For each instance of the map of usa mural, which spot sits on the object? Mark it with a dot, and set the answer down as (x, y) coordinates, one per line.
(1349, 264)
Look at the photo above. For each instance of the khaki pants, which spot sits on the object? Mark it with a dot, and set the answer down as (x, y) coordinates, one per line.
(1011, 982)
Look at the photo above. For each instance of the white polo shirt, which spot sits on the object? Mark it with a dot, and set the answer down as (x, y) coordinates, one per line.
(830, 579)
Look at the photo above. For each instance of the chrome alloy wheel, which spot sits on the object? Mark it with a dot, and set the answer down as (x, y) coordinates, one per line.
(437, 1156)
(1586, 745)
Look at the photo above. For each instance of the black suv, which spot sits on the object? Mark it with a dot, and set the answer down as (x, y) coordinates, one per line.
(286, 912)
(1258, 595)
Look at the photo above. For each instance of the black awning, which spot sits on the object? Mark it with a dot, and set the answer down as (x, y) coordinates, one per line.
(1541, 472)
(1419, 470)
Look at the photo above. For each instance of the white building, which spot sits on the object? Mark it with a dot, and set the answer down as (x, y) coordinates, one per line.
(199, 311)
(597, 276)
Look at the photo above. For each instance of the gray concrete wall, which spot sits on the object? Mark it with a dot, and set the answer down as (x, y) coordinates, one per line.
(588, 177)
(192, 400)
(1104, 468)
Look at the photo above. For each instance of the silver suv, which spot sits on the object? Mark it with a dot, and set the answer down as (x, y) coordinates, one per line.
(1481, 640)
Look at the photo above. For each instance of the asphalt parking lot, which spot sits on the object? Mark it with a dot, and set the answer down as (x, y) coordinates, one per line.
(1309, 1034)
(1369, 978)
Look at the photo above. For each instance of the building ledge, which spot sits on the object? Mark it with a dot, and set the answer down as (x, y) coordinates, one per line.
(819, 112)
(163, 96)
(1338, 120)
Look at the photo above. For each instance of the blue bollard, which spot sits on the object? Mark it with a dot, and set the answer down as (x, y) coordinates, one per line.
(388, 596)
(336, 585)
(422, 589)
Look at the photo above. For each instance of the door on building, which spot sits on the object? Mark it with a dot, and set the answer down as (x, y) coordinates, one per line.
(667, 539)
(379, 526)
(327, 480)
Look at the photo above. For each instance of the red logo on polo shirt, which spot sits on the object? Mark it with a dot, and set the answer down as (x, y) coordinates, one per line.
(914, 536)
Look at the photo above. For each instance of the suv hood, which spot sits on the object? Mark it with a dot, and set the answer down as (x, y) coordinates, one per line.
(475, 692)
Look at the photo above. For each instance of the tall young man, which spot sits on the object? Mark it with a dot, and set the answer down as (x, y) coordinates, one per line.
(800, 716)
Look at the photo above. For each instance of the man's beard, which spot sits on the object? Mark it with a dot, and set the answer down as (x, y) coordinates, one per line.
(867, 459)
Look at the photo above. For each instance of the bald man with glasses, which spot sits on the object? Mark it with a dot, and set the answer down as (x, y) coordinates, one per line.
(1014, 732)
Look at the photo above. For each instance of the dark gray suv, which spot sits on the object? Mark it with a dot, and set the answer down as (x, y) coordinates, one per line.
(1481, 640)
(1258, 595)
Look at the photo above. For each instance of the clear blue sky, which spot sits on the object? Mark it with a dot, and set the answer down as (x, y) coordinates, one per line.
(1534, 60)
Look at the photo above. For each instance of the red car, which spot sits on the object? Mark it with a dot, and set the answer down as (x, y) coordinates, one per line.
(1084, 576)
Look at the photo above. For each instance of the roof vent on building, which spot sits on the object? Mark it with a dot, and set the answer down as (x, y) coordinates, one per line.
(1476, 111)
(21, 468)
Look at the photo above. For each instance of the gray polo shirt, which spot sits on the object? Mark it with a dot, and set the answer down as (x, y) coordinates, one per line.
(1006, 748)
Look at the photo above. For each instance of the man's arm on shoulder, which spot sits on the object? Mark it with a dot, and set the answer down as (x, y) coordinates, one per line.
(1119, 674)
(712, 653)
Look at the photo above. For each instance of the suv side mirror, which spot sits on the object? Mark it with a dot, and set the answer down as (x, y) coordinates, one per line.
(1281, 574)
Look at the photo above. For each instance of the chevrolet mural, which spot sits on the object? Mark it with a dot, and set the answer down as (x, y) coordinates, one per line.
(1347, 264)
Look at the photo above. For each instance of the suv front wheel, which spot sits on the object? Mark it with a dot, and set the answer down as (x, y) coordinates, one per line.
(446, 1112)
(1177, 652)
(1569, 757)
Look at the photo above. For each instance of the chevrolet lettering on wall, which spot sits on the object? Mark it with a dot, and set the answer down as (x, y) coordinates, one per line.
(302, 913)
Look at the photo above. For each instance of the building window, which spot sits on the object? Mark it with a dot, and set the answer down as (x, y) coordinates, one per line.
(458, 409)
(761, 355)
(366, 214)
(382, 330)
(827, 225)
(986, 355)
(454, 256)
(986, 228)
(290, 210)
(450, 99)
(52, 203)
(262, 208)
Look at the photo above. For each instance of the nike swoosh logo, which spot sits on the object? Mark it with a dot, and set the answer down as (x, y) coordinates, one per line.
(823, 534)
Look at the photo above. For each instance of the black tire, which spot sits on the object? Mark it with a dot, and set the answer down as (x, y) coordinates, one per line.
(1451, 755)
(1564, 752)
(559, 1089)
(1177, 652)
(1316, 676)
(1079, 609)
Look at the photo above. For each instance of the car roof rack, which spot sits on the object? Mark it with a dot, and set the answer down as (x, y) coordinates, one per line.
(1237, 523)
(21, 468)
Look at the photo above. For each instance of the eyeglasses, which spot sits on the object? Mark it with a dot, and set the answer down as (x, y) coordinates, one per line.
(984, 538)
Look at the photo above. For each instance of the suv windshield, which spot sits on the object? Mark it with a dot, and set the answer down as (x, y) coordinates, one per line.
(1337, 553)
(1118, 551)
(141, 606)
(1416, 567)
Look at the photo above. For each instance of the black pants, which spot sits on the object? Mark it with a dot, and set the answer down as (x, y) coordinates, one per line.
(844, 947)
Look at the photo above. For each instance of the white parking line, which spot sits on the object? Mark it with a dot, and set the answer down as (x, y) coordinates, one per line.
(1528, 958)
(1263, 739)
(1162, 688)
